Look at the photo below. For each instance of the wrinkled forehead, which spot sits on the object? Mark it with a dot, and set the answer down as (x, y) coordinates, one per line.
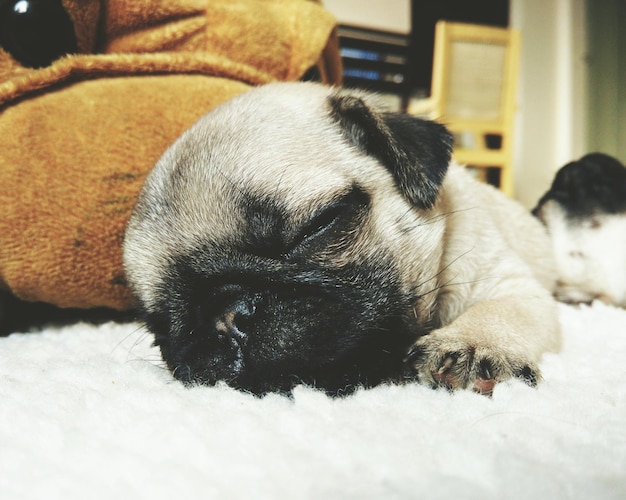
(297, 156)
(276, 147)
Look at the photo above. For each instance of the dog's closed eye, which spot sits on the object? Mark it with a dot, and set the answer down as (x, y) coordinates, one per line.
(320, 224)
(338, 216)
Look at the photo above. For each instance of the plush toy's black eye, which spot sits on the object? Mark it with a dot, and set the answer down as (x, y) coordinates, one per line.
(36, 32)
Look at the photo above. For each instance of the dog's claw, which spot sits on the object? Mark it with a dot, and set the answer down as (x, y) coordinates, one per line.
(448, 362)
(444, 375)
(453, 364)
(528, 375)
(414, 356)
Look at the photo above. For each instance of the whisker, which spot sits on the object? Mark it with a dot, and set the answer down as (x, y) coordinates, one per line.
(238, 186)
(279, 183)
(449, 284)
(141, 334)
(419, 285)
(432, 220)
(129, 335)
(408, 211)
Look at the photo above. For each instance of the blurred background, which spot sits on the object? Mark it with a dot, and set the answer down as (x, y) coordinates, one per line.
(571, 83)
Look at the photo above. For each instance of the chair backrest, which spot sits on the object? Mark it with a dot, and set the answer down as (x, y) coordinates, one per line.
(474, 92)
(475, 72)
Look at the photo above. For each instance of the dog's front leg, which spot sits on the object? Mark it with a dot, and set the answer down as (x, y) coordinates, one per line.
(493, 340)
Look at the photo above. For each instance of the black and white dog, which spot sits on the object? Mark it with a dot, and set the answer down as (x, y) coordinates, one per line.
(585, 213)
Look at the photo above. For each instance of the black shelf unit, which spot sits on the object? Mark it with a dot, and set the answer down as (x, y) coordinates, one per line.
(375, 60)
(401, 64)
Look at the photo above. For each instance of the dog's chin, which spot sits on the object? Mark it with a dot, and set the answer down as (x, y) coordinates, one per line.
(335, 331)
(336, 353)
(373, 359)
(340, 378)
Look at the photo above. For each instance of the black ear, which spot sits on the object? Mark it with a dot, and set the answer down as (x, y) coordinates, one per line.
(416, 152)
(595, 182)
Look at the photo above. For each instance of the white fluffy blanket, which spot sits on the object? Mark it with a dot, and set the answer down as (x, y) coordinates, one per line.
(89, 413)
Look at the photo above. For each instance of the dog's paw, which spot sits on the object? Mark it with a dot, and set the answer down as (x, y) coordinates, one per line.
(443, 360)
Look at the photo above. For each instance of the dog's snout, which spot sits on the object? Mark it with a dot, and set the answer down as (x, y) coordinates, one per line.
(220, 329)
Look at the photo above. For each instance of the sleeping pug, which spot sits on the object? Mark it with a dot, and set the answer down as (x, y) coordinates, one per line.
(299, 235)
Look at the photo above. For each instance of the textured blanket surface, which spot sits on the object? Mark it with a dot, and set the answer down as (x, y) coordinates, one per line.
(89, 412)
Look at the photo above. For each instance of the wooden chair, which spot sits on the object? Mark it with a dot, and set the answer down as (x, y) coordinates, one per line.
(473, 94)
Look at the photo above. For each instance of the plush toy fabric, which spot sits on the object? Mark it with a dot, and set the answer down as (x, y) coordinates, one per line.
(80, 131)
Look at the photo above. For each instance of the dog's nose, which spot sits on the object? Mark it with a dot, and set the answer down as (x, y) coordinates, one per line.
(226, 316)
(221, 327)
(231, 324)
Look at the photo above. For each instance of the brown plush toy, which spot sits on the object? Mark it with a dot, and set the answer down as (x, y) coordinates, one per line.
(91, 94)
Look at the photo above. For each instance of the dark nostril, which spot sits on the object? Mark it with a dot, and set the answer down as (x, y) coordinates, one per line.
(245, 308)
(228, 315)
(243, 314)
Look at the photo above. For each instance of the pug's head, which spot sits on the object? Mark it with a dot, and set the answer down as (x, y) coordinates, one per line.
(286, 238)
